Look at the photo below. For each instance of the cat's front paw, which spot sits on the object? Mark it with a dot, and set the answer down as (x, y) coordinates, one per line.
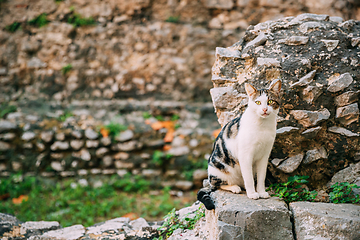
(235, 189)
(254, 195)
(264, 195)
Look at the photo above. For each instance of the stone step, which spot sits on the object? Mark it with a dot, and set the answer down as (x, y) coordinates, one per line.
(326, 220)
(238, 217)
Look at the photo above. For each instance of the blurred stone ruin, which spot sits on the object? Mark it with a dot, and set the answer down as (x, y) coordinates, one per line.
(317, 57)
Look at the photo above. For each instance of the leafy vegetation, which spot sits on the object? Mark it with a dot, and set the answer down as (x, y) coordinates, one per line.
(159, 157)
(39, 21)
(5, 108)
(70, 203)
(293, 190)
(342, 193)
(114, 129)
(65, 116)
(147, 115)
(173, 19)
(173, 222)
(78, 21)
(66, 69)
(13, 27)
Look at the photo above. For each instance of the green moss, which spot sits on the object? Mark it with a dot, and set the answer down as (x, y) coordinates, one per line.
(39, 21)
(13, 27)
(78, 21)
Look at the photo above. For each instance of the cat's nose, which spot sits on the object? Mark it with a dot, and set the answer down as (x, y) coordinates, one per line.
(264, 110)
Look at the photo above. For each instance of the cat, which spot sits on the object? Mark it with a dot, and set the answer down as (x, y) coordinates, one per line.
(242, 148)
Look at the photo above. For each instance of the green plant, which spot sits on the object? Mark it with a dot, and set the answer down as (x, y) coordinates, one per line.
(173, 19)
(114, 129)
(69, 203)
(159, 157)
(65, 116)
(5, 108)
(342, 193)
(39, 21)
(175, 117)
(173, 222)
(293, 190)
(66, 69)
(13, 27)
(147, 115)
(78, 21)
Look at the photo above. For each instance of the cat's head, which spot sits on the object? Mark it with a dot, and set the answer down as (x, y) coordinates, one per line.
(265, 102)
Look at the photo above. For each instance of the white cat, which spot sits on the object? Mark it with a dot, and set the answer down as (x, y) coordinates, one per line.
(243, 147)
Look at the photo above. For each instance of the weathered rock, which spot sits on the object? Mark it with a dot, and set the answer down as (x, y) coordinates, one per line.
(47, 136)
(340, 83)
(295, 40)
(307, 79)
(125, 136)
(76, 144)
(314, 155)
(342, 131)
(91, 134)
(28, 136)
(350, 174)
(6, 126)
(285, 130)
(330, 44)
(4, 146)
(311, 132)
(71, 233)
(113, 224)
(92, 143)
(57, 166)
(311, 93)
(56, 146)
(346, 98)
(348, 114)
(310, 118)
(290, 164)
(39, 226)
(221, 4)
(326, 220)
(238, 217)
(7, 222)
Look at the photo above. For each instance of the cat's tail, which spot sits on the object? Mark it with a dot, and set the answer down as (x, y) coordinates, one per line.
(203, 196)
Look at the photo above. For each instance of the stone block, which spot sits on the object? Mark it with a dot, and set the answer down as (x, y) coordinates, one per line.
(326, 220)
(238, 217)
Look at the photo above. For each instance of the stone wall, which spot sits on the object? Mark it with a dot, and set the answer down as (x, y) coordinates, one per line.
(317, 58)
(74, 144)
(162, 49)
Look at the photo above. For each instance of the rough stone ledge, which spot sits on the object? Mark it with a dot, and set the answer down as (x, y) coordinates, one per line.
(238, 217)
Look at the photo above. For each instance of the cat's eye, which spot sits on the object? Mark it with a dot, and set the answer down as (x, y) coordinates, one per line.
(270, 102)
(258, 102)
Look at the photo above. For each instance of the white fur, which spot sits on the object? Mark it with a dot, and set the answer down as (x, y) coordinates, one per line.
(252, 148)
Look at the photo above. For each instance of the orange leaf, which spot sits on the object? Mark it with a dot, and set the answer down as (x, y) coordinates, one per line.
(20, 199)
(104, 132)
(169, 135)
(216, 132)
(168, 124)
(157, 125)
(166, 147)
(131, 215)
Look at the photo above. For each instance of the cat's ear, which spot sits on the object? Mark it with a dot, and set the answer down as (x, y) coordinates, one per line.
(275, 86)
(250, 90)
